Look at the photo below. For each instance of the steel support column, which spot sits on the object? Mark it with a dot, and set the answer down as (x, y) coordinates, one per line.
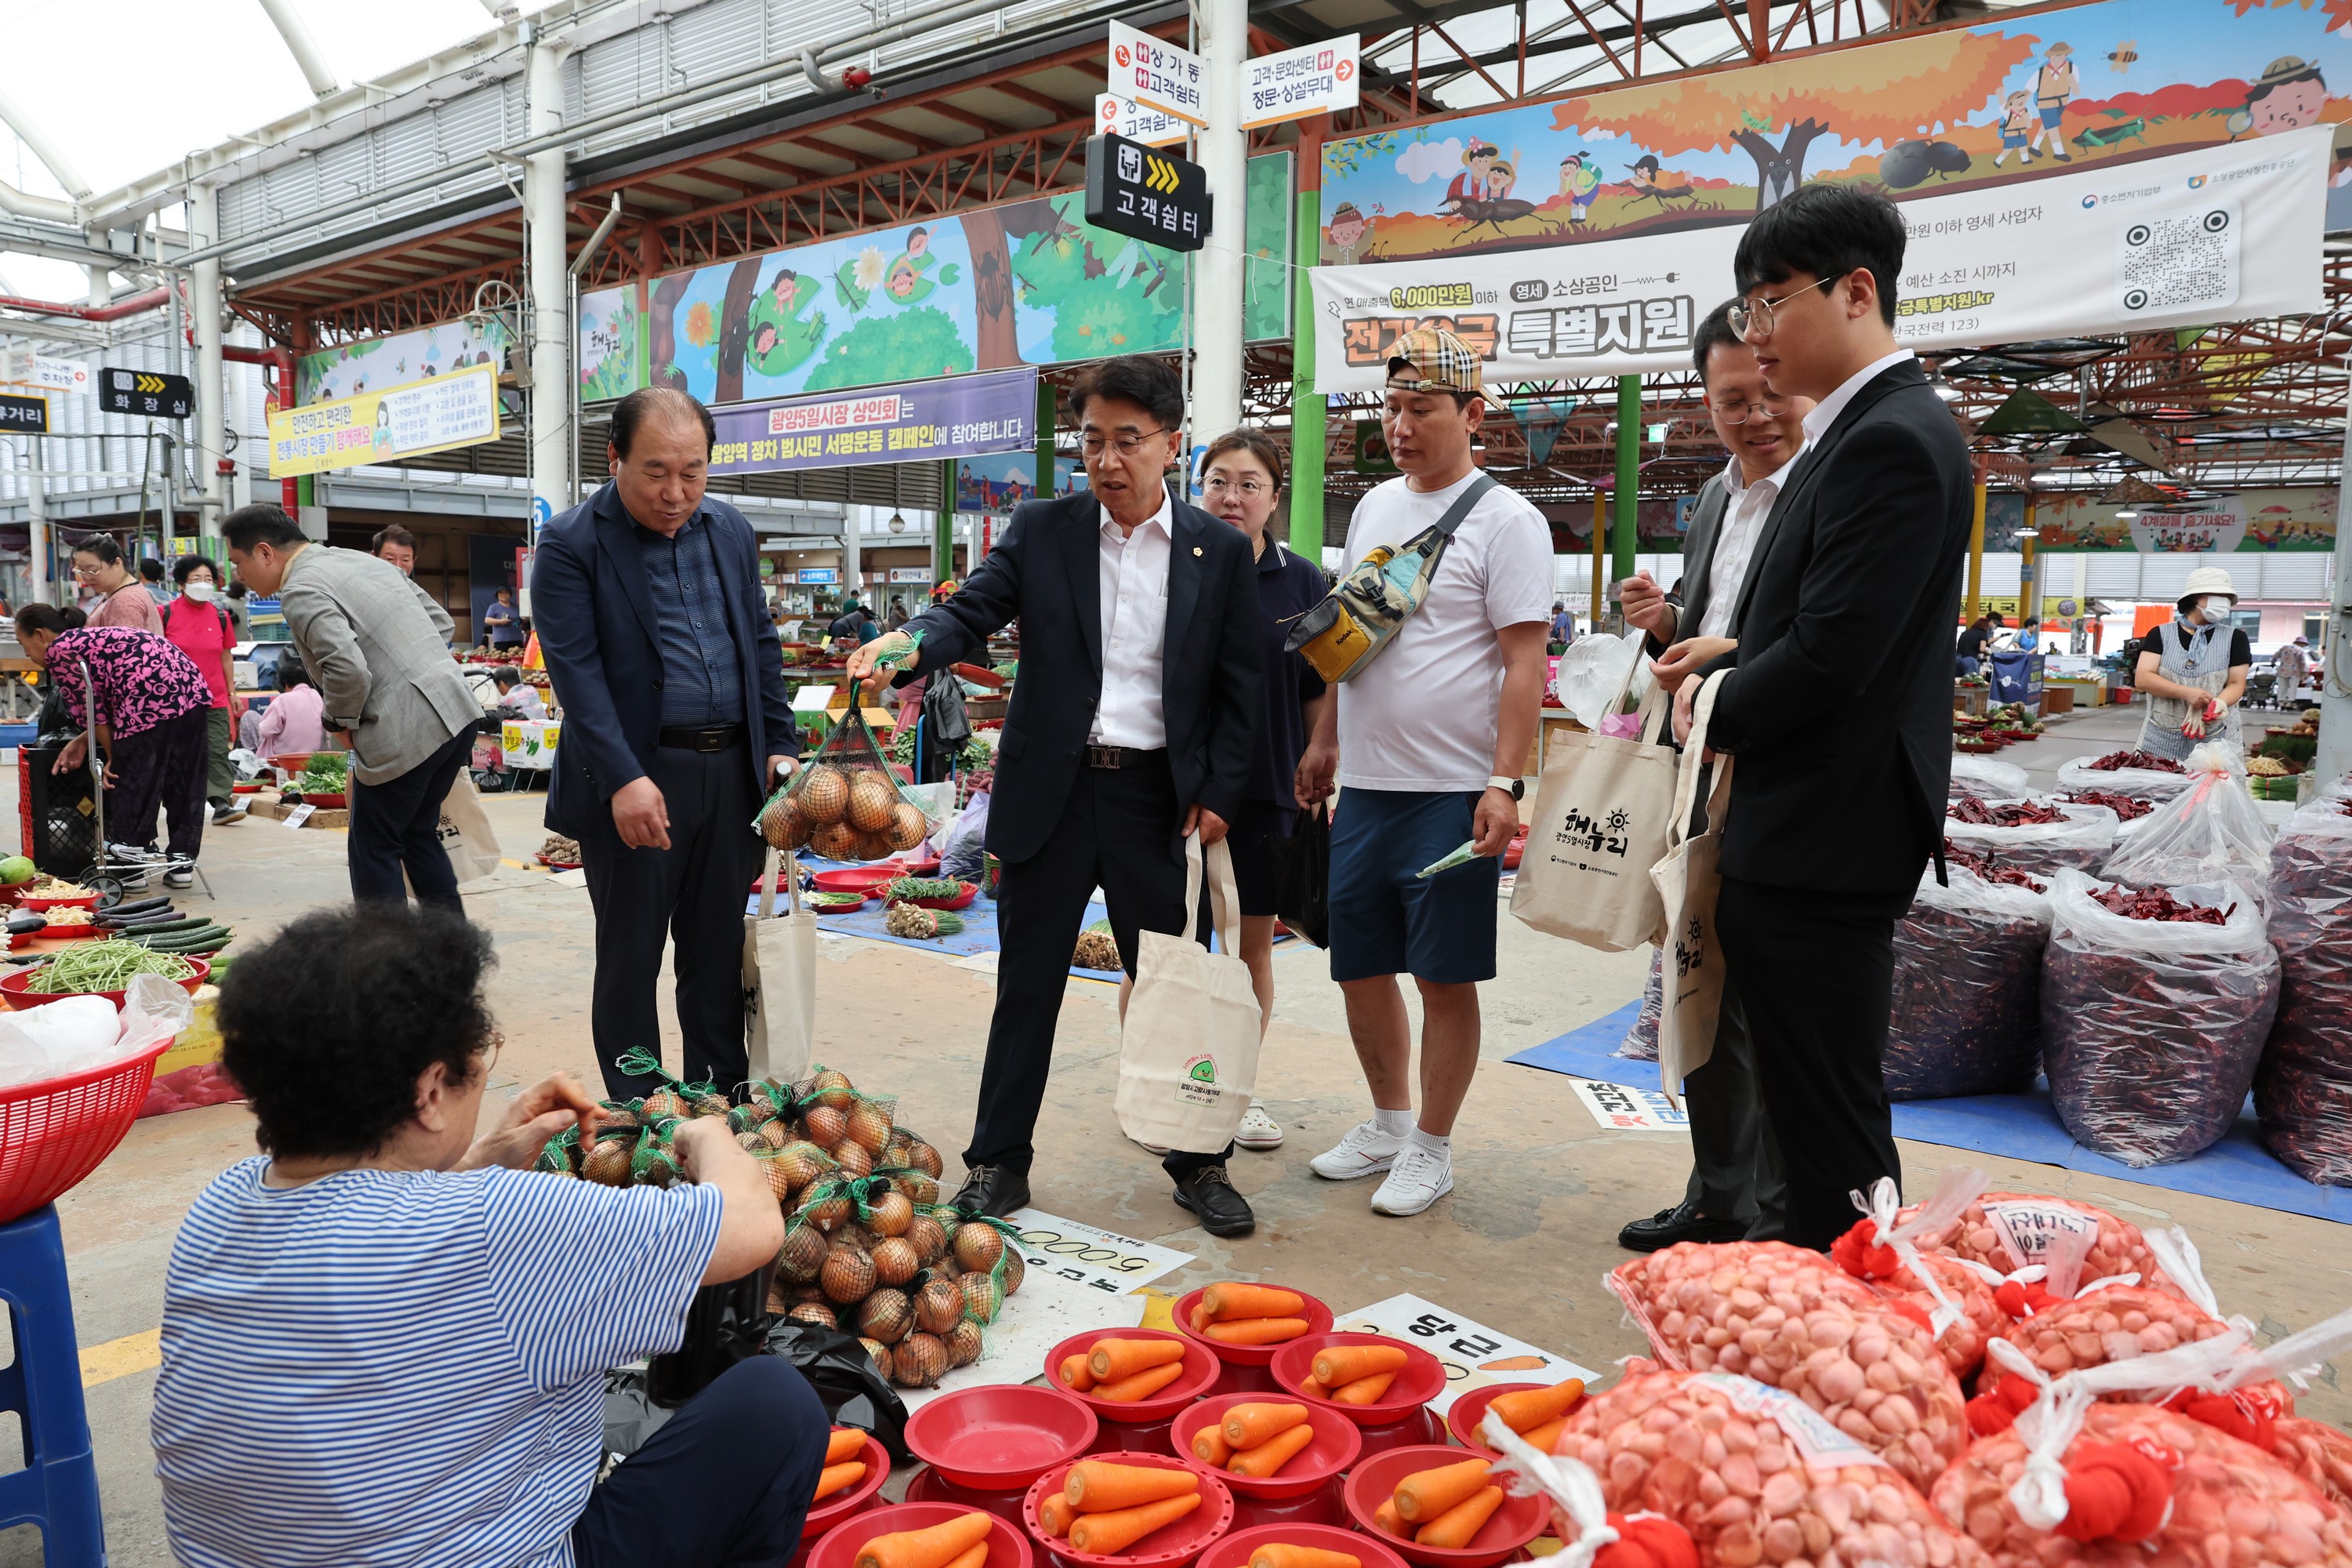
(550, 329)
(1217, 296)
(1627, 536)
(1308, 410)
(208, 310)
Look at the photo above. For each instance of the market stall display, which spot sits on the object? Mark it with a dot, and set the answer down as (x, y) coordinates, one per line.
(2133, 772)
(2302, 1087)
(2035, 837)
(2210, 833)
(1968, 981)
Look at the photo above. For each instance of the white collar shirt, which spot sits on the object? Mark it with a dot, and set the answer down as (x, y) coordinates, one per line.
(1825, 412)
(1744, 511)
(1131, 574)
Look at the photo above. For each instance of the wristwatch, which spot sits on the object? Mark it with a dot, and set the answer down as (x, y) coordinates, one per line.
(1516, 788)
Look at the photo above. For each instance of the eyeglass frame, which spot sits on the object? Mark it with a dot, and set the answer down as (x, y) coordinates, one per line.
(1093, 443)
(1219, 483)
(1769, 410)
(1744, 316)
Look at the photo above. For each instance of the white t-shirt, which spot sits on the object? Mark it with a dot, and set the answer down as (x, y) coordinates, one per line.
(1422, 716)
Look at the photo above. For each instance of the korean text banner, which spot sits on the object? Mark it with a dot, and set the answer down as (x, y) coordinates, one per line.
(458, 410)
(2217, 235)
(955, 417)
(373, 363)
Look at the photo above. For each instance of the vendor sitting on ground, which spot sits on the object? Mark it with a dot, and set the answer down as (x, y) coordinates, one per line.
(517, 698)
(386, 1341)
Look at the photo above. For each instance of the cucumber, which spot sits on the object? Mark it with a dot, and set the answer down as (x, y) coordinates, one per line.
(139, 907)
(154, 916)
(213, 946)
(159, 928)
(193, 942)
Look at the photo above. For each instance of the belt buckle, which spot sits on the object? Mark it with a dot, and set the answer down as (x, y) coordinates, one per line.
(711, 741)
(1101, 756)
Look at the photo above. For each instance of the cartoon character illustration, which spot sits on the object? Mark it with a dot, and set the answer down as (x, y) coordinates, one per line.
(2016, 125)
(1579, 182)
(2287, 96)
(1499, 180)
(904, 277)
(1662, 186)
(1468, 188)
(383, 446)
(780, 342)
(2054, 85)
(1348, 229)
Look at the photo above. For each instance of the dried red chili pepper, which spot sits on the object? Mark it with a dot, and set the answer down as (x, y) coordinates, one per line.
(1967, 986)
(2116, 761)
(2302, 1092)
(2127, 807)
(2158, 904)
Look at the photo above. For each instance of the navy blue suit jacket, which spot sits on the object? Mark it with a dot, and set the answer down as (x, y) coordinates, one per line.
(595, 625)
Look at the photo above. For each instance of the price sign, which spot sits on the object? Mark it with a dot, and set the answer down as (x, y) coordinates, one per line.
(1154, 197)
(1473, 1354)
(299, 815)
(1093, 1260)
(24, 413)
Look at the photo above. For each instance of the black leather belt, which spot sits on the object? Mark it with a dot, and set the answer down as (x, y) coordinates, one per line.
(1125, 757)
(717, 738)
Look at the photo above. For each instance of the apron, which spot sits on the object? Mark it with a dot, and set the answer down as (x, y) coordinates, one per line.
(2195, 657)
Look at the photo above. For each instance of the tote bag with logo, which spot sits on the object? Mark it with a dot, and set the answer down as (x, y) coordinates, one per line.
(779, 978)
(1188, 1051)
(1601, 814)
(1689, 877)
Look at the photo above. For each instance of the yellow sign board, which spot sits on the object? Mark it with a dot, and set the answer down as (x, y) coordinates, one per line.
(460, 409)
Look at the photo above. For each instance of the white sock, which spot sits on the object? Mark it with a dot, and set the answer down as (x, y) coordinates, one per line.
(1441, 1147)
(1392, 1123)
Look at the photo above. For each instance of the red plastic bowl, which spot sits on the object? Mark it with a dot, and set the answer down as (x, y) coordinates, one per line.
(68, 933)
(36, 904)
(1422, 1379)
(1338, 1442)
(1374, 1480)
(867, 879)
(13, 992)
(1233, 1550)
(999, 1439)
(1318, 1316)
(1006, 1549)
(1470, 1409)
(842, 1505)
(1200, 1370)
(324, 801)
(291, 762)
(1167, 1547)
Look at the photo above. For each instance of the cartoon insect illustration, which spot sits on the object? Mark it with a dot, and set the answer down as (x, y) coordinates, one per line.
(2120, 58)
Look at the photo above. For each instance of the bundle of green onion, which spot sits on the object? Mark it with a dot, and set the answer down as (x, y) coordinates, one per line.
(911, 888)
(105, 965)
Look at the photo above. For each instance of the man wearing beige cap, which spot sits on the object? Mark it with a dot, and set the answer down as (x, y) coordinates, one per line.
(1428, 741)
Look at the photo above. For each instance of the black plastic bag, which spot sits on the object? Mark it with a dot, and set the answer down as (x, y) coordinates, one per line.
(947, 725)
(724, 1324)
(1302, 877)
(853, 1389)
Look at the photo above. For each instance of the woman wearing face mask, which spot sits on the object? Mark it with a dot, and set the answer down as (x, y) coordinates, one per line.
(2194, 671)
(198, 624)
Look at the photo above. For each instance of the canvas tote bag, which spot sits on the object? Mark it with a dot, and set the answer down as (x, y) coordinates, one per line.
(1188, 1052)
(779, 979)
(1687, 878)
(1601, 814)
(466, 836)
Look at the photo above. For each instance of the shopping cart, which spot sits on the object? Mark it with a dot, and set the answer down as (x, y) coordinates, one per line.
(100, 879)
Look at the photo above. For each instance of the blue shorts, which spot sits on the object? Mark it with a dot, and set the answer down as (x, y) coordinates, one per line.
(1384, 921)
(2051, 114)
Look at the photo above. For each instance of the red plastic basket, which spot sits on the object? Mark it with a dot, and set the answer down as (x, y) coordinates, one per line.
(55, 1132)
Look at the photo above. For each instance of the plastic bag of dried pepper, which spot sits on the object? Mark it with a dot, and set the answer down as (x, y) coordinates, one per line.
(2155, 1006)
(1967, 986)
(2035, 837)
(2211, 832)
(2142, 774)
(2302, 1089)
(1983, 777)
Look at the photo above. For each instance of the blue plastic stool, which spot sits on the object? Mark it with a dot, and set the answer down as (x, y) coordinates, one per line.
(58, 1487)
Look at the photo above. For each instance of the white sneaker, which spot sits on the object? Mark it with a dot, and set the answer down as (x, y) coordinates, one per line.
(1366, 1151)
(1420, 1177)
(1259, 1129)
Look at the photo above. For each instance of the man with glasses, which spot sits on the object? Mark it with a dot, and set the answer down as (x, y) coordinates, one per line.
(1734, 1188)
(1837, 706)
(1133, 725)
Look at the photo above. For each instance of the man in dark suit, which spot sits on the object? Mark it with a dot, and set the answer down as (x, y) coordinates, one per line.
(1837, 708)
(1132, 725)
(676, 722)
(1736, 1188)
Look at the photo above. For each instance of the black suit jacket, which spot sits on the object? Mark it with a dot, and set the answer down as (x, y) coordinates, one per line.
(1044, 572)
(595, 625)
(1840, 704)
(1698, 563)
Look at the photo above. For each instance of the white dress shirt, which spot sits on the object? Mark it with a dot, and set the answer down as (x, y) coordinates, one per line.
(1825, 412)
(1734, 542)
(1132, 574)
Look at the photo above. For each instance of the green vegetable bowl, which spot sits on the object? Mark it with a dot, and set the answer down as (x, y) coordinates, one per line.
(14, 992)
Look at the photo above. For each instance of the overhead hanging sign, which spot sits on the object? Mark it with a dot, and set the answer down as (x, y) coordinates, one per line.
(24, 413)
(152, 394)
(449, 411)
(953, 416)
(1157, 74)
(2218, 235)
(23, 367)
(1313, 79)
(1116, 116)
(1148, 195)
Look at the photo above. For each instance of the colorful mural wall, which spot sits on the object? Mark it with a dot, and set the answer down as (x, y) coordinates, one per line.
(374, 363)
(999, 482)
(610, 352)
(1995, 103)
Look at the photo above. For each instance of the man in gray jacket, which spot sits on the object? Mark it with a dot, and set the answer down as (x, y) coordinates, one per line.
(1735, 1186)
(378, 649)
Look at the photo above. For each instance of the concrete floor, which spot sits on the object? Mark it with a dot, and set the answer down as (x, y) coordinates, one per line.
(1522, 1244)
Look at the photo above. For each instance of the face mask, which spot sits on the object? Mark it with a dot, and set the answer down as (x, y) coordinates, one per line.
(202, 592)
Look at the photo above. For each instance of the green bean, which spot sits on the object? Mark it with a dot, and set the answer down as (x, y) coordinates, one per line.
(104, 965)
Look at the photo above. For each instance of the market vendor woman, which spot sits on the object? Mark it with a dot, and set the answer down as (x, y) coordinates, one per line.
(386, 1341)
(2194, 671)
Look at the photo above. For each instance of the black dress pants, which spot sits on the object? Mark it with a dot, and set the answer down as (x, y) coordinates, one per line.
(396, 828)
(1118, 832)
(160, 768)
(691, 894)
(1735, 1160)
(1815, 973)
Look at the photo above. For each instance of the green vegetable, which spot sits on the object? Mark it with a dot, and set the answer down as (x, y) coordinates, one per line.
(104, 965)
(17, 869)
(911, 888)
(327, 772)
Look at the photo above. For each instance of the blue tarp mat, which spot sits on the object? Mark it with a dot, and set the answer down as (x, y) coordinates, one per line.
(979, 933)
(2019, 1126)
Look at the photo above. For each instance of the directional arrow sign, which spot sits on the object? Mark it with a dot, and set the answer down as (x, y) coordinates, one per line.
(1157, 197)
(1157, 74)
(146, 392)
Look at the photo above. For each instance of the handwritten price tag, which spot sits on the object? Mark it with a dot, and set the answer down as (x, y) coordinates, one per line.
(1094, 1259)
(1473, 1354)
(299, 815)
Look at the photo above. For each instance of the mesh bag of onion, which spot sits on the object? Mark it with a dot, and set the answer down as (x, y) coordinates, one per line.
(1967, 986)
(2211, 832)
(2035, 837)
(2155, 1004)
(844, 803)
(2302, 1089)
(1641, 1041)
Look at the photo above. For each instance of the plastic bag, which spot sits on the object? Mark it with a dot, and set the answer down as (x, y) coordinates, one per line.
(2005, 1232)
(2151, 1028)
(1882, 1252)
(2148, 784)
(964, 844)
(725, 1324)
(2211, 833)
(844, 803)
(1982, 776)
(2084, 841)
(836, 1366)
(1968, 989)
(1641, 1041)
(2302, 1089)
(1593, 672)
(1302, 877)
(72, 1034)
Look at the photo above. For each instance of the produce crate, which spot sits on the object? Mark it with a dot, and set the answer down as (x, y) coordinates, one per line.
(277, 811)
(2057, 699)
(1971, 698)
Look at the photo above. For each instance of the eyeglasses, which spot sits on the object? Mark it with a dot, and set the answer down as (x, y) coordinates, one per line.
(1739, 413)
(497, 1042)
(1092, 442)
(1248, 485)
(91, 571)
(1750, 320)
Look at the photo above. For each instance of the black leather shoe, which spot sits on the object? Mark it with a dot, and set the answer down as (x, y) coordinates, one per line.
(1209, 1193)
(1680, 1222)
(996, 1191)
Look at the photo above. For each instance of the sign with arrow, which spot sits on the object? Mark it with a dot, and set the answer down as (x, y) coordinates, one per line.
(1313, 79)
(1144, 194)
(1157, 74)
(146, 392)
(1116, 116)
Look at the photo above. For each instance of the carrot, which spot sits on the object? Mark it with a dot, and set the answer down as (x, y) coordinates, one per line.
(1077, 1372)
(1314, 1390)
(1256, 1331)
(1096, 1487)
(1270, 1455)
(975, 1558)
(1142, 1384)
(1344, 1364)
(1543, 1437)
(1385, 1516)
(1454, 1529)
(938, 1547)
(1248, 1425)
(1364, 1390)
(844, 1444)
(1113, 1359)
(836, 1477)
(1525, 1409)
(1228, 1301)
(1424, 1494)
(1208, 1446)
(1280, 1554)
(1055, 1514)
(1100, 1534)
(1199, 1318)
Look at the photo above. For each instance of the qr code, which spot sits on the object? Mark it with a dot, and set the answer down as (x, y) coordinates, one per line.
(2186, 261)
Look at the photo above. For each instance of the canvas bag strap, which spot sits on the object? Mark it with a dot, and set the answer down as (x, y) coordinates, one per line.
(1472, 494)
(1225, 897)
(1694, 766)
(769, 878)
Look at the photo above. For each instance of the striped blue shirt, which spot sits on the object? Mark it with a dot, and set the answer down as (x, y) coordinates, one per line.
(382, 1367)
